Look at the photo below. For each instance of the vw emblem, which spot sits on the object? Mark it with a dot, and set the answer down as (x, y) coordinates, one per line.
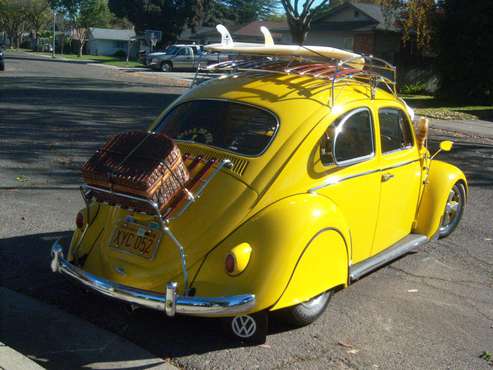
(244, 326)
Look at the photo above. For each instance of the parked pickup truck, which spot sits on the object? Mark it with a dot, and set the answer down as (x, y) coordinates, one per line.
(181, 57)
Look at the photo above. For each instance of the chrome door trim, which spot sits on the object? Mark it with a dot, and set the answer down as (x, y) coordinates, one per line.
(335, 180)
(400, 165)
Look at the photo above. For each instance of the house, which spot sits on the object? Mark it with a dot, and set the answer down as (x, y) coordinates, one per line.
(201, 35)
(247, 33)
(251, 32)
(104, 41)
(360, 27)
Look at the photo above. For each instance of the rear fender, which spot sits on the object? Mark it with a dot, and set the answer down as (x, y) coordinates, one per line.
(287, 238)
(441, 179)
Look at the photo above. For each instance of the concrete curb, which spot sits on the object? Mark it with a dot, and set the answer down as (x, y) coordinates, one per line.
(10, 359)
(58, 340)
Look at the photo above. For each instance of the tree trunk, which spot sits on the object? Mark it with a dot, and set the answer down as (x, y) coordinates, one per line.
(298, 31)
(81, 48)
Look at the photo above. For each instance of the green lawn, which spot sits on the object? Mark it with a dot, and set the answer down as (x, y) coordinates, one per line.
(105, 60)
(97, 59)
(429, 106)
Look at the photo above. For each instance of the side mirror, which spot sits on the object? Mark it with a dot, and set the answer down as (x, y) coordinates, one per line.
(446, 145)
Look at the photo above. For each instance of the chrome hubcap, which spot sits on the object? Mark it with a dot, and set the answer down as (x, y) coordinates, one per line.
(315, 301)
(452, 208)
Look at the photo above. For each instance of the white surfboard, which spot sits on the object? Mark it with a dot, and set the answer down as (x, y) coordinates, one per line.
(227, 45)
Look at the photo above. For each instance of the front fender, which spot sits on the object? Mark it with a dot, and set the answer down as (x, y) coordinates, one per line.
(279, 236)
(441, 179)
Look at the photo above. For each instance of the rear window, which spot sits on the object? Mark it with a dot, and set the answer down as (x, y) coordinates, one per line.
(236, 127)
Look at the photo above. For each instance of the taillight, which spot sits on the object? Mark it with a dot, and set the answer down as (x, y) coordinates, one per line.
(229, 263)
(79, 220)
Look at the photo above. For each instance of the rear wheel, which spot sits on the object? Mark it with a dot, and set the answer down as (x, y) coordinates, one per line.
(307, 312)
(166, 67)
(453, 210)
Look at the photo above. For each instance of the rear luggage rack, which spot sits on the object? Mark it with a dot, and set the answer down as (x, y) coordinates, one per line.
(177, 208)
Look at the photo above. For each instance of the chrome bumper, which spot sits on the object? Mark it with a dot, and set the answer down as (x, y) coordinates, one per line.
(170, 302)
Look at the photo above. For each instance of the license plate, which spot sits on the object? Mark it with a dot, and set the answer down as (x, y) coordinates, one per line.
(135, 239)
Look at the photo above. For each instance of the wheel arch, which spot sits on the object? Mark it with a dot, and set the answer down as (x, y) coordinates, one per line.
(314, 273)
(442, 177)
(282, 235)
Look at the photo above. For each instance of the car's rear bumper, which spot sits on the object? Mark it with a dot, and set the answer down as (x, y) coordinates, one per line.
(170, 302)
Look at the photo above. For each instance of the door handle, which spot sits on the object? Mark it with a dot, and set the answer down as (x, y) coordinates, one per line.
(387, 176)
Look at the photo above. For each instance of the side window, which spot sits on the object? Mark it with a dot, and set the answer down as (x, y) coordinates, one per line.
(395, 130)
(348, 139)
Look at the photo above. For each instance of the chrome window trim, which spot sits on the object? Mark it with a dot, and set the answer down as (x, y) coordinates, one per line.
(267, 146)
(366, 157)
(410, 128)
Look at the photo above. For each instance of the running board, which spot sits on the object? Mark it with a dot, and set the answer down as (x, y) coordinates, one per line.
(403, 246)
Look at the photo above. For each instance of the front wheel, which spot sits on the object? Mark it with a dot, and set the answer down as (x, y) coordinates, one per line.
(307, 312)
(454, 208)
(166, 67)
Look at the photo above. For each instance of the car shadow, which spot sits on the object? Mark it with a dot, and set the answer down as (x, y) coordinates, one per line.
(25, 268)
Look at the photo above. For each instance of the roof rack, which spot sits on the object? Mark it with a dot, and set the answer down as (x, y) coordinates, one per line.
(324, 63)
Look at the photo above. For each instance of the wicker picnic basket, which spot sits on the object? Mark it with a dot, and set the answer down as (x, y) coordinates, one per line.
(141, 164)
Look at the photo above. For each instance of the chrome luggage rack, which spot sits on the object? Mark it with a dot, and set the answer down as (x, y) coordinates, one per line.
(374, 71)
(164, 218)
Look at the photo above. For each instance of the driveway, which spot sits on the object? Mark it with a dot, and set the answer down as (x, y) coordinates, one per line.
(429, 310)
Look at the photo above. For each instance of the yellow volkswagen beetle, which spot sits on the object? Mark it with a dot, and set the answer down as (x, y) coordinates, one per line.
(319, 179)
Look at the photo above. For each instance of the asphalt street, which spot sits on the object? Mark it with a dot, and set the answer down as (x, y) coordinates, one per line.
(428, 310)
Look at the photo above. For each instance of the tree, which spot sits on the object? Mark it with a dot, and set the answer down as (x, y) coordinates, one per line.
(246, 11)
(414, 17)
(465, 50)
(37, 15)
(168, 16)
(13, 19)
(83, 14)
(299, 17)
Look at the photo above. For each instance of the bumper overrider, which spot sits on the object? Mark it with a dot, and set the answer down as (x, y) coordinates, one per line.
(170, 302)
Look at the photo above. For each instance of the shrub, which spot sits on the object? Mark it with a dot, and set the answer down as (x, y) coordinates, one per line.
(414, 89)
(120, 54)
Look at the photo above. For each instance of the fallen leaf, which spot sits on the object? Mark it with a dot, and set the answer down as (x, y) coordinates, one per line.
(412, 290)
(353, 351)
(488, 239)
(345, 345)
(265, 346)
(21, 179)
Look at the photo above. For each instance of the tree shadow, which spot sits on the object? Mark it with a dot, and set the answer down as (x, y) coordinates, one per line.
(476, 160)
(50, 126)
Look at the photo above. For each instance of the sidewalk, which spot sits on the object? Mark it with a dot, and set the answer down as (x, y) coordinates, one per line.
(475, 128)
(51, 338)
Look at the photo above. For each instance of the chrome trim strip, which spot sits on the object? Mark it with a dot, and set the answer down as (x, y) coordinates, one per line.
(170, 302)
(334, 180)
(403, 246)
(400, 165)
